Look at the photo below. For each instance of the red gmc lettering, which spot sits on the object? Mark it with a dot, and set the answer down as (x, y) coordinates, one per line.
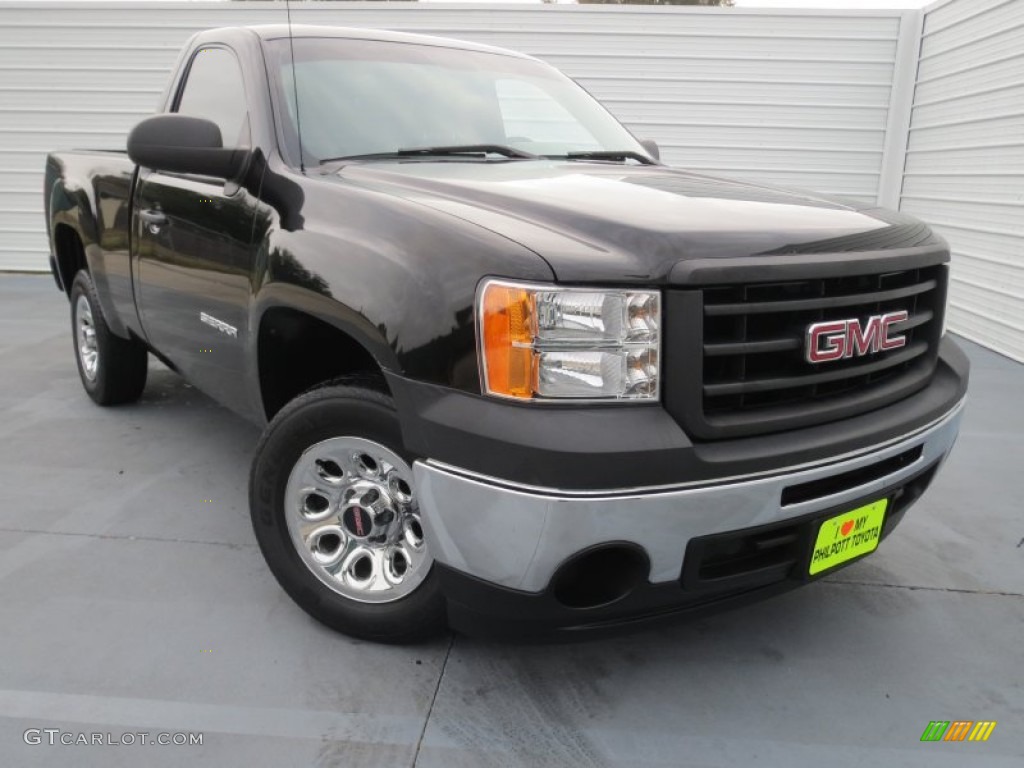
(837, 339)
(896, 341)
(826, 341)
(865, 339)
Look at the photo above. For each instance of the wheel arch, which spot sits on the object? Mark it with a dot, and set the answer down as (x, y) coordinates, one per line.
(300, 347)
(68, 252)
(73, 229)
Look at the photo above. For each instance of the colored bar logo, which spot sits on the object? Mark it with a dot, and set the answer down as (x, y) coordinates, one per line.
(958, 730)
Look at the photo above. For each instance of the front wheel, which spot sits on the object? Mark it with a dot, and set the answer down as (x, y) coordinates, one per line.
(335, 512)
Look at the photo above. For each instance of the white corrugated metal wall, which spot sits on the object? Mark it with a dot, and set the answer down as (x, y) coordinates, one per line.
(964, 169)
(816, 99)
(792, 97)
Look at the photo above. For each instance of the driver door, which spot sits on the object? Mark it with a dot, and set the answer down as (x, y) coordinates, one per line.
(194, 244)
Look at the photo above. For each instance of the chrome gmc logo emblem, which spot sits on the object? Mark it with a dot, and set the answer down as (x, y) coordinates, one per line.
(838, 339)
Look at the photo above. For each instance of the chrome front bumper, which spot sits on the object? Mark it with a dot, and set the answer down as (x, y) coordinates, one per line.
(517, 536)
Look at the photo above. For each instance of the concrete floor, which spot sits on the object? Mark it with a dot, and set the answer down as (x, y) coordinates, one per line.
(133, 598)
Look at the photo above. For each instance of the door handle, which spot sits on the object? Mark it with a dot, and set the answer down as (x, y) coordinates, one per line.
(153, 220)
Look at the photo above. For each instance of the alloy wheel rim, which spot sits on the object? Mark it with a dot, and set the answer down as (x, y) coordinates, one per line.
(85, 333)
(354, 520)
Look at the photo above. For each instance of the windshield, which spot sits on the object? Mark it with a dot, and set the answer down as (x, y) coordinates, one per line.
(364, 97)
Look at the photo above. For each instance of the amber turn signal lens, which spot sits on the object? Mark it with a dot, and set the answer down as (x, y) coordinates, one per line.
(508, 328)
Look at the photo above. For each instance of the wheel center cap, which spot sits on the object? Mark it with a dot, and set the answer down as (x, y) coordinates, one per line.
(368, 511)
(357, 522)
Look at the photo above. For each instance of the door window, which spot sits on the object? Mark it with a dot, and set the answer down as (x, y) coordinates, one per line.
(215, 90)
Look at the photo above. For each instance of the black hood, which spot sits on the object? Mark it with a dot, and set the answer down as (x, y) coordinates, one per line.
(612, 222)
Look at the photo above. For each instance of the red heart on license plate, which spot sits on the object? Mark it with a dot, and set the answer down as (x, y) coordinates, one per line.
(847, 527)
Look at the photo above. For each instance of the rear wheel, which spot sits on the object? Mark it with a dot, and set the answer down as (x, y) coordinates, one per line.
(113, 370)
(335, 512)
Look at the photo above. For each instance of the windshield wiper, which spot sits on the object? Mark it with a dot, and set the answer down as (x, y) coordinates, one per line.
(480, 150)
(608, 154)
(468, 149)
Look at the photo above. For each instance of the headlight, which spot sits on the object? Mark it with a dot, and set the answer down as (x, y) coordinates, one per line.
(540, 342)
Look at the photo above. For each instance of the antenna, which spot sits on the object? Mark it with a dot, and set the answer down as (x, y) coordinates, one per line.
(295, 84)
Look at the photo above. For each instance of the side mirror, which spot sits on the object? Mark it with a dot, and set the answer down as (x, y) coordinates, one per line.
(652, 148)
(183, 144)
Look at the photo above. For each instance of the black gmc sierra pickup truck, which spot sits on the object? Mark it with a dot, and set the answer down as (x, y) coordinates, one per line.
(517, 375)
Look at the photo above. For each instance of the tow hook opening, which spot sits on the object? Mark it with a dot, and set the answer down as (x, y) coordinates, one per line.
(600, 575)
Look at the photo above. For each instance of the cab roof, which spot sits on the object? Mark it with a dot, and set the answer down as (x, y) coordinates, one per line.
(281, 31)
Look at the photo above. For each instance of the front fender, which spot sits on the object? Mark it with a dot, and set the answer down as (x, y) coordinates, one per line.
(398, 277)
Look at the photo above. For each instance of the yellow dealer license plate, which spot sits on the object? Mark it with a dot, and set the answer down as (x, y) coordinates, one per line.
(847, 536)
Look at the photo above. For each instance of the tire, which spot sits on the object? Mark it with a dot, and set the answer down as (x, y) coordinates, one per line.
(113, 370)
(334, 511)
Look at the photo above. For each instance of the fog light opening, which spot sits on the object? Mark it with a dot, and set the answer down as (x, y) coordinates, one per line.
(600, 575)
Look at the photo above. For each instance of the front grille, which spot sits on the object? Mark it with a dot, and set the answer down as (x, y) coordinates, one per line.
(754, 376)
